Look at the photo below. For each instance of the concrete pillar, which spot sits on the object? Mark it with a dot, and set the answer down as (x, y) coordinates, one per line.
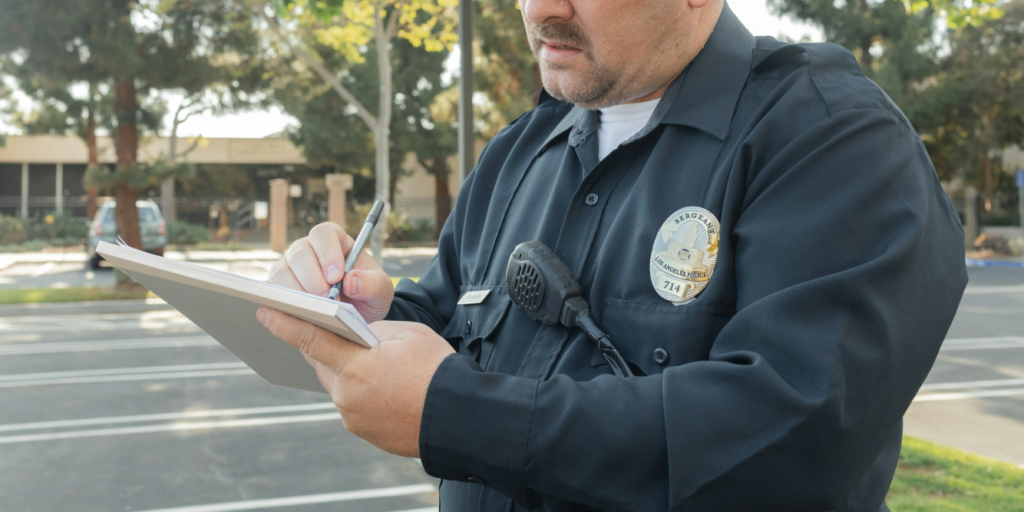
(278, 215)
(59, 197)
(971, 221)
(24, 190)
(337, 186)
(167, 200)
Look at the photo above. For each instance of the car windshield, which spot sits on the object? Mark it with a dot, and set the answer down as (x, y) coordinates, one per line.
(147, 215)
(108, 216)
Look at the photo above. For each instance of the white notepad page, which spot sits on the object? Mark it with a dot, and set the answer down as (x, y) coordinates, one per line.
(224, 305)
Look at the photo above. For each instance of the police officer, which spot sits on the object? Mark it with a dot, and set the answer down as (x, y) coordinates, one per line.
(755, 224)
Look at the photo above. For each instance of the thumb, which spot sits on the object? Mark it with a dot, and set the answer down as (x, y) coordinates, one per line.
(373, 287)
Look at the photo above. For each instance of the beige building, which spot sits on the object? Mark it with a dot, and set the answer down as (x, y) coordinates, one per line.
(43, 173)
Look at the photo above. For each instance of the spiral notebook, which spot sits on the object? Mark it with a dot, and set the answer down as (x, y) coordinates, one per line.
(224, 305)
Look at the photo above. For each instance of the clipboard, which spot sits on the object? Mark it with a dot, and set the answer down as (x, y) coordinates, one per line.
(224, 306)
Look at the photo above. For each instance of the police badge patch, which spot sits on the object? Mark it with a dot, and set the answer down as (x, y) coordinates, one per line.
(685, 254)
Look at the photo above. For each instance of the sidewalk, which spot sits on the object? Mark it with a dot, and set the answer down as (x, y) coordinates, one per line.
(9, 259)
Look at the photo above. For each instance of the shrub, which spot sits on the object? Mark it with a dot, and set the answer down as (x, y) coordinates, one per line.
(183, 233)
(997, 244)
(56, 227)
(11, 230)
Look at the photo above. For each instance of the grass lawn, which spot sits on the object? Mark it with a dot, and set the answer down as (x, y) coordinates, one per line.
(932, 478)
(68, 295)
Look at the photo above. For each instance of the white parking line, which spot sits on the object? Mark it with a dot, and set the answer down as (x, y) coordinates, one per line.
(181, 371)
(119, 371)
(171, 427)
(40, 425)
(89, 346)
(935, 397)
(311, 499)
(42, 270)
(130, 377)
(994, 383)
(982, 343)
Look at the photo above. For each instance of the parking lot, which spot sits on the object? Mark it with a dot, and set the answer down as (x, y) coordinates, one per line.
(126, 406)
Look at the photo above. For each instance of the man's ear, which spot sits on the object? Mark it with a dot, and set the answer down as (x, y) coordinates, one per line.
(697, 4)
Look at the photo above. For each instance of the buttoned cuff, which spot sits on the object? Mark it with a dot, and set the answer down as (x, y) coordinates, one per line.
(475, 426)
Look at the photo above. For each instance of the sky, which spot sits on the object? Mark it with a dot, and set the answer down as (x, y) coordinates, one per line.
(753, 13)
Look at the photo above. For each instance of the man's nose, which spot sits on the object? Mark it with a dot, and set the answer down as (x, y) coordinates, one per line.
(541, 12)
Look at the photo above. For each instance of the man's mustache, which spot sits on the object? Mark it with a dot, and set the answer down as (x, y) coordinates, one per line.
(565, 33)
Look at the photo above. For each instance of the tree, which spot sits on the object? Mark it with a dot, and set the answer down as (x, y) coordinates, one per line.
(348, 26)
(888, 32)
(134, 48)
(332, 135)
(959, 85)
(59, 111)
(504, 67)
(974, 104)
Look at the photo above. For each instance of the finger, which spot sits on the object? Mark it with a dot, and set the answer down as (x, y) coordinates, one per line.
(370, 286)
(330, 242)
(281, 275)
(324, 347)
(304, 264)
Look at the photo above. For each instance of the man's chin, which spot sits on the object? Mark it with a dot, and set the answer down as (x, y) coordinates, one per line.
(589, 95)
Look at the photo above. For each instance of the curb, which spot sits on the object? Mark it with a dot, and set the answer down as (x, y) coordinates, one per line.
(980, 263)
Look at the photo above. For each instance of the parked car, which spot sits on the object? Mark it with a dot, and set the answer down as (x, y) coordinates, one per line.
(103, 228)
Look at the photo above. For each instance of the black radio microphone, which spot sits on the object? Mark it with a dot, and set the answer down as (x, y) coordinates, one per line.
(541, 284)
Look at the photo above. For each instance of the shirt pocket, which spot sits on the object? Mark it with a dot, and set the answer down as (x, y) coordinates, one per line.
(653, 336)
(473, 327)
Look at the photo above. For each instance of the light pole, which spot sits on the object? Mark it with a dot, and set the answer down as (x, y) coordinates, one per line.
(467, 148)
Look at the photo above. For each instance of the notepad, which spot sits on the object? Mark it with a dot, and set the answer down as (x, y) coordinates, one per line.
(224, 305)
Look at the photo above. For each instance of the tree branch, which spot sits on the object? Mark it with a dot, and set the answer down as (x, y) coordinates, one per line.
(192, 147)
(392, 30)
(319, 68)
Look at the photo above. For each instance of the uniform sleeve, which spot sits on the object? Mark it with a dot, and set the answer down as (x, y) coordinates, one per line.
(849, 269)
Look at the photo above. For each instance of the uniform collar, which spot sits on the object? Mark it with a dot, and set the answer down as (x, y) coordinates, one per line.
(704, 96)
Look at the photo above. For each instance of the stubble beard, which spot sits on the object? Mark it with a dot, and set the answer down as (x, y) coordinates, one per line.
(592, 88)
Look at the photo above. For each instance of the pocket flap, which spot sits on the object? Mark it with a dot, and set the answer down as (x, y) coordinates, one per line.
(472, 322)
(656, 336)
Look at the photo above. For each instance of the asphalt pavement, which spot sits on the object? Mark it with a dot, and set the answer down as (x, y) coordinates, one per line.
(118, 406)
(126, 405)
(973, 398)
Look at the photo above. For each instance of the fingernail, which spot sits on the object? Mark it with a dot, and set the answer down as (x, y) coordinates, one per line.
(354, 285)
(262, 316)
(333, 274)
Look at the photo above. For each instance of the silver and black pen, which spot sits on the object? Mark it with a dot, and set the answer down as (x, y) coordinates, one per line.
(357, 247)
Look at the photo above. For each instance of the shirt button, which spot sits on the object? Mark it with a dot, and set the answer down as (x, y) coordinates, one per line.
(474, 479)
(592, 199)
(469, 327)
(660, 356)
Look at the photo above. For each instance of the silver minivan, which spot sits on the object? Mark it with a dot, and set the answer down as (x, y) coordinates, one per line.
(103, 228)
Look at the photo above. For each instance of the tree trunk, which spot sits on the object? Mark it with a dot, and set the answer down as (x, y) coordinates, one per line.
(866, 59)
(443, 201)
(126, 141)
(381, 135)
(94, 160)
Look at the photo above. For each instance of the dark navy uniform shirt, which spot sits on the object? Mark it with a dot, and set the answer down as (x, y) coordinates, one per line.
(840, 267)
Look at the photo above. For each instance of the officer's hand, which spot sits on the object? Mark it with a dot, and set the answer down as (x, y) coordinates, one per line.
(312, 264)
(379, 392)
